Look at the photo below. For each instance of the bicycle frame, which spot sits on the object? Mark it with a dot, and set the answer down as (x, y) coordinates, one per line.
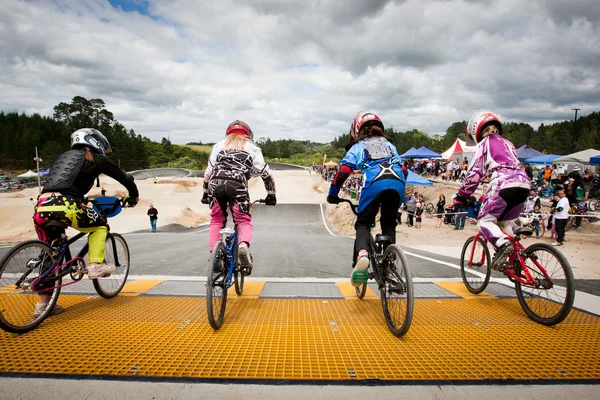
(231, 244)
(63, 252)
(517, 255)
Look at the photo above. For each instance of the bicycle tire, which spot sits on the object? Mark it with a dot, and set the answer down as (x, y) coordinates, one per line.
(360, 290)
(238, 276)
(472, 278)
(112, 285)
(429, 209)
(557, 299)
(594, 204)
(18, 305)
(216, 285)
(397, 292)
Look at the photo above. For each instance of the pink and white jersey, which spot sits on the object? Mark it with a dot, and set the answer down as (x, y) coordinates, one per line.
(497, 158)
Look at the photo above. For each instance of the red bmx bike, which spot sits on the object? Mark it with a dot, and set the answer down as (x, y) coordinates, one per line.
(542, 276)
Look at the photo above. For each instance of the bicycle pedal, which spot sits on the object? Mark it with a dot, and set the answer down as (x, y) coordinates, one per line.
(360, 277)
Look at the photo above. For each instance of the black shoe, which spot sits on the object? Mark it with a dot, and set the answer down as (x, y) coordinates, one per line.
(455, 228)
(499, 263)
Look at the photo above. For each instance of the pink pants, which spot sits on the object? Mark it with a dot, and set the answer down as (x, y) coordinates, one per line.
(218, 221)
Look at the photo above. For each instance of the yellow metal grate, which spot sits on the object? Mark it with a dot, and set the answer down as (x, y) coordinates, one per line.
(450, 339)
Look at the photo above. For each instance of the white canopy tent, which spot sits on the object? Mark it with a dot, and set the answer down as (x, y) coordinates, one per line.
(28, 174)
(460, 150)
(581, 157)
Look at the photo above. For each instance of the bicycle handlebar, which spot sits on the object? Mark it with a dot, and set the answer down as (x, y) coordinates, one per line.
(352, 205)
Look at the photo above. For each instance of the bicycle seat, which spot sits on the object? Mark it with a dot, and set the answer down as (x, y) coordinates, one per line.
(379, 238)
(523, 231)
(55, 226)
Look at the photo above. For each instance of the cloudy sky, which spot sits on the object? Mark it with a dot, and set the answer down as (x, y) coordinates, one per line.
(301, 69)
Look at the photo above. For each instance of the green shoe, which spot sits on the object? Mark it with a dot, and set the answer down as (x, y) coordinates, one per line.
(359, 277)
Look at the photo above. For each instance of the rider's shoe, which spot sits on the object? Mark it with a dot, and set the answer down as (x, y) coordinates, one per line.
(41, 307)
(360, 272)
(245, 259)
(95, 270)
(501, 256)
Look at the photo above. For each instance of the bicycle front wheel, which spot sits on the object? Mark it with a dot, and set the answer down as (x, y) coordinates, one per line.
(397, 295)
(550, 299)
(429, 209)
(116, 252)
(475, 262)
(361, 290)
(216, 285)
(19, 268)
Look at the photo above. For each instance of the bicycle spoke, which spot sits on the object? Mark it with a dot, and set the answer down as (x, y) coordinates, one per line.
(550, 299)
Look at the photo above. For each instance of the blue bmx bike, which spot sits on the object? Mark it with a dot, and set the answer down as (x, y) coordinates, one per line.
(224, 271)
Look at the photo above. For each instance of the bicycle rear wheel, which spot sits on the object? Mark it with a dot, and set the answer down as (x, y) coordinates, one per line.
(117, 253)
(19, 268)
(397, 295)
(475, 271)
(216, 285)
(551, 300)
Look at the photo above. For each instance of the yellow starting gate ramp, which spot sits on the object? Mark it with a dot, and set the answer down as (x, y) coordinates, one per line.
(451, 339)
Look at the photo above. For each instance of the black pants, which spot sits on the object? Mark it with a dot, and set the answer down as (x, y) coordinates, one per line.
(560, 225)
(411, 215)
(389, 201)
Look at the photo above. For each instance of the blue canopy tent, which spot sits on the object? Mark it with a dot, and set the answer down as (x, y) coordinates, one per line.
(424, 152)
(524, 152)
(408, 153)
(421, 152)
(595, 160)
(414, 179)
(544, 159)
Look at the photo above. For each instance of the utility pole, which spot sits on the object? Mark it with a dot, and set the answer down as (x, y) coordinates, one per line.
(37, 163)
(574, 129)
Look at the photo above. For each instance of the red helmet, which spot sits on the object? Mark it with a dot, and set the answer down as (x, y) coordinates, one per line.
(360, 120)
(238, 127)
(478, 123)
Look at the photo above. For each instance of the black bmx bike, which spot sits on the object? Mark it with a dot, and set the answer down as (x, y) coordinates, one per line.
(35, 267)
(394, 281)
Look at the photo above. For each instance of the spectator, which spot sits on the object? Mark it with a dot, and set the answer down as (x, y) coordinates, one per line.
(399, 215)
(570, 189)
(440, 210)
(103, 192)
(554, 176)
(153, 214)
(547, 174)
(561, 216)
(460, 208)
(531, 201)
(155, 179)
(528, 171)
(410, 209)
(418, 212)
(537, 216)
(587, 180)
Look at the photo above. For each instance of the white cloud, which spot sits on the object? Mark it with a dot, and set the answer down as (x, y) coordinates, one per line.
(297, 69)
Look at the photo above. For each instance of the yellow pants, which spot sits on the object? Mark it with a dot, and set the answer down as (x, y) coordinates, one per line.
(67, 210)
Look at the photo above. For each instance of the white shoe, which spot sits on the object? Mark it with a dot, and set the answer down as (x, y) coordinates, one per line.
(245, 258)
(103, 270)
(360, 274)
(41, 307)
(556, 244)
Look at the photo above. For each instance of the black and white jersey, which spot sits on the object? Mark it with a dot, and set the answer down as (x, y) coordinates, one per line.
(238, 165)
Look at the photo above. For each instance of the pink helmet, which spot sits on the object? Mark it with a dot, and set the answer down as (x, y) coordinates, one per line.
(360, 120)
(238, 127)
(478, 123)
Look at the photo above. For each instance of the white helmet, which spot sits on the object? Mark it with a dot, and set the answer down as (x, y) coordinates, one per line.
(477, 125)
(90, 137)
